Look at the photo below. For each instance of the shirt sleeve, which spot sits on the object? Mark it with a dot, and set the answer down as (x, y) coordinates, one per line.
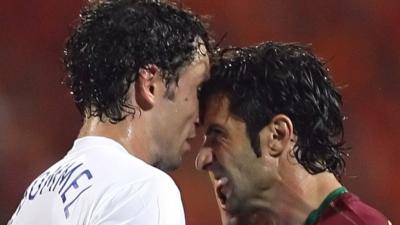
(154, 201)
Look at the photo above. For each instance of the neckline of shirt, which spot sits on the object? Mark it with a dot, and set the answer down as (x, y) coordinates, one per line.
(98, 141)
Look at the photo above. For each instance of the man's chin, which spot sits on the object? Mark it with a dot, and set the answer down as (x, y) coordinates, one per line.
(229, 207)
(235, 207)
(169, 166)
(172, 168)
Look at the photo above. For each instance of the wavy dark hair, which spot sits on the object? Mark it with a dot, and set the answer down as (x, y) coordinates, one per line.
(283, 78)
(113, 39)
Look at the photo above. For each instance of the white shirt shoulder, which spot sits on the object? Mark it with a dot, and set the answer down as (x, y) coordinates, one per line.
(99, 183)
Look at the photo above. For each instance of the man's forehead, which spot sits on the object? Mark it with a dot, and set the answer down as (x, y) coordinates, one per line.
(218, 114)
(216, 107)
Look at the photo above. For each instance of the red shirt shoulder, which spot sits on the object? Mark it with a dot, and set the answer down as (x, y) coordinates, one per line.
(348, 209)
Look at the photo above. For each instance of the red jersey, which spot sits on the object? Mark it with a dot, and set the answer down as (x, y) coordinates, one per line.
(345, 208)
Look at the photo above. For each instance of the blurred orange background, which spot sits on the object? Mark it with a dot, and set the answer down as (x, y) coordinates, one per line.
(359, 39)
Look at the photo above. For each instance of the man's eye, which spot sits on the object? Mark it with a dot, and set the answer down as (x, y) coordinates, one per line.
(214, 136)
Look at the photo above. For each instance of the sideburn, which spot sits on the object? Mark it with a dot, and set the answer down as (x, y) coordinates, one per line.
(170, 92)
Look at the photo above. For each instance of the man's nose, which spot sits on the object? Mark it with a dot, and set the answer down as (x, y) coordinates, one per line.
(204, 158)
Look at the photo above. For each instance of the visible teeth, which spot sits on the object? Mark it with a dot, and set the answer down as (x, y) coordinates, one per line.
(222, 198)
(222, 181)
(221, 189)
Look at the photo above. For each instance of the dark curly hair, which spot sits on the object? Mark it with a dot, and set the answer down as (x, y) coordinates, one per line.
(113, 39)
(283, 78)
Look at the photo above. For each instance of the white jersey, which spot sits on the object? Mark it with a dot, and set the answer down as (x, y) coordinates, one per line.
(99, 183)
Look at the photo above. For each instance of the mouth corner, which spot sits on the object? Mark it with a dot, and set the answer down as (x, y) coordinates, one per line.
(222, 198)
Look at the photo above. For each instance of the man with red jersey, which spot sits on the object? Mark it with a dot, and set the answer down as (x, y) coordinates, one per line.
(274, 140)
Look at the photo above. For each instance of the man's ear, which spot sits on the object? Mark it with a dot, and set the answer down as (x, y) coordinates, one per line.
(277, 136)
(145, 86)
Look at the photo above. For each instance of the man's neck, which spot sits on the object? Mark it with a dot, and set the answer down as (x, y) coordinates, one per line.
(295, 199)
(121, 132)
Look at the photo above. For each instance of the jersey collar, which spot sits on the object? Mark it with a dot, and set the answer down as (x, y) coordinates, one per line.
(314, 215)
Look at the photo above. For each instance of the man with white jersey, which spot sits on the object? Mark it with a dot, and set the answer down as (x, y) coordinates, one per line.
(133, 68)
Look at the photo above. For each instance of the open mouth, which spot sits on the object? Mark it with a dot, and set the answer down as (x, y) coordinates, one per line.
(222, 190)
(221, 196)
